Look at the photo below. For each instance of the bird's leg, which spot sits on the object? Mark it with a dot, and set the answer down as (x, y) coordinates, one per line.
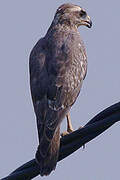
(69, 126)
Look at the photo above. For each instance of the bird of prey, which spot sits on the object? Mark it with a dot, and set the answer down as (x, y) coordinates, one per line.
(58, 66)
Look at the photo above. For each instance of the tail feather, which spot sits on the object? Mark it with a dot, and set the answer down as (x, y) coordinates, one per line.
(47, 160)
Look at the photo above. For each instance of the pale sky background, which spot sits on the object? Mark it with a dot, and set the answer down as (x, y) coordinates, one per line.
(22, 23)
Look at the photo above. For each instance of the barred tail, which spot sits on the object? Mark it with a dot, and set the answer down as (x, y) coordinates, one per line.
(47, 154)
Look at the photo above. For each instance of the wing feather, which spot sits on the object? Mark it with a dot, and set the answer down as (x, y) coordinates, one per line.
(57, 69)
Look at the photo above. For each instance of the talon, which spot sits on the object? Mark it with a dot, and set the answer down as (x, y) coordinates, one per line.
(80, 127)
(83, 144)
(64, 133)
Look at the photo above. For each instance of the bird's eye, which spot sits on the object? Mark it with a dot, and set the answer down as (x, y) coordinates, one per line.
(83, 14)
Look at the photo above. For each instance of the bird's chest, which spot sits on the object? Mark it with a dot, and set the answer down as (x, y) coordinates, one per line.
(77, 68)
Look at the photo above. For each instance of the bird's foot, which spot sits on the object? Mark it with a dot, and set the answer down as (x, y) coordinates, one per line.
(78, 129)
(70, 130)
(67, 132)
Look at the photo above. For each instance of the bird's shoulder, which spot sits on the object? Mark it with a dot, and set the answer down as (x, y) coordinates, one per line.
(38, 72)
(38, 51)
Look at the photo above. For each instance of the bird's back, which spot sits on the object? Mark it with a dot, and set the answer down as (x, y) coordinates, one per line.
(58, 66)
(67, 62)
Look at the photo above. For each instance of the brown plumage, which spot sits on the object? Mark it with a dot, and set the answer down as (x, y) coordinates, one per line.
(58, 65)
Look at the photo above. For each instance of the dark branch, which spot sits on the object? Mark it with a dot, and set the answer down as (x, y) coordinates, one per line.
(73, 141)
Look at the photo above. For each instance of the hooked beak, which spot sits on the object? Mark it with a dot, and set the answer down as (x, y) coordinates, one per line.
(87, 22)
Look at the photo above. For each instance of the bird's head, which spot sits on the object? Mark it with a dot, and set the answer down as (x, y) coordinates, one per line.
(72, 15)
